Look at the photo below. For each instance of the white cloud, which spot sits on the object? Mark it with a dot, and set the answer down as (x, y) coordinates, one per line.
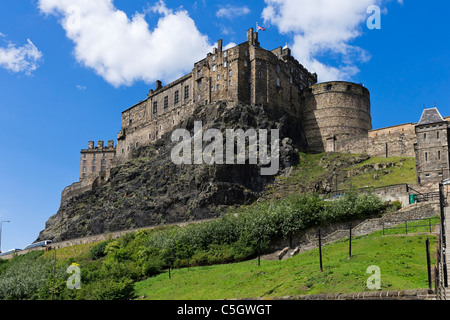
(231, 12)
(322, 26)
(81, 87)
(124, 50)
(20, 59)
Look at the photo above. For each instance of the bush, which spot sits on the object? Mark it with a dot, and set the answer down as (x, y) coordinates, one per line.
(98, 251)
(23, 278)
(109, 289)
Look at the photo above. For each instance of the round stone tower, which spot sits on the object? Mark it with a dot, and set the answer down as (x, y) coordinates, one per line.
(334, 111)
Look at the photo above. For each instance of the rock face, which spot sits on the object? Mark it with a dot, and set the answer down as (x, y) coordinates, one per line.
(150, 189)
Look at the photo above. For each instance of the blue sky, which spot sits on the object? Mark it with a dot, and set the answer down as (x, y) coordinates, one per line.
(69, 67)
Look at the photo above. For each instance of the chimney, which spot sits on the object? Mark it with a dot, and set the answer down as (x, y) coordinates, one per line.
(91, 145)
(111, 144)
(220, 45)
(250, 35)
(255, 39)
(158, 84)
(100, 144)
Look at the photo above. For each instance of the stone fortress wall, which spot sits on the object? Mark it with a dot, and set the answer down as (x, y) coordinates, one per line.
(335, 111)
(246, 73)
(336, 116)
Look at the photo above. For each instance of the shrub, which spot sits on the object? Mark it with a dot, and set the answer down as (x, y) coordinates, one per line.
(98, 251)
(109, 289)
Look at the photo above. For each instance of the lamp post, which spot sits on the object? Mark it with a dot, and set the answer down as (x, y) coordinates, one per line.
(1, 222)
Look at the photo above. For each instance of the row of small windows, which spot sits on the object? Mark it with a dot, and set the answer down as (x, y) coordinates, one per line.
(428, 127)
(437, 136)
(217, 87)
(427, 156)
(94, 168)
(94, 161)
(176, 99)
(94, 155)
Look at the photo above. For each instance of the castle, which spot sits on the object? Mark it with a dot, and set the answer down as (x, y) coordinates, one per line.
(336, 116)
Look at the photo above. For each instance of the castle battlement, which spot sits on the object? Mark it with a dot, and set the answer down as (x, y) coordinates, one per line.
(246, 73)
(335, 116)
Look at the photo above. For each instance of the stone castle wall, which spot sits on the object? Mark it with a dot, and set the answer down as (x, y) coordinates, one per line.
(395, 141)
(335, 111)
(245, 73)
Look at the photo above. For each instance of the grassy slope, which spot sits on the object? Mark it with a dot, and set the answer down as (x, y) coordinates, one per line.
(351, 172)
(402, 261)
(404, 171)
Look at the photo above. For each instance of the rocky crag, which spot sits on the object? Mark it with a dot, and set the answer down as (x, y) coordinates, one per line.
(150, 189)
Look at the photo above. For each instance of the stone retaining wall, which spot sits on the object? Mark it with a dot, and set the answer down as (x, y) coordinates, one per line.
(414, 294)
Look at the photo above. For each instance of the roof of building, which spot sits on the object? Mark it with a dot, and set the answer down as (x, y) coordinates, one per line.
(430, 116)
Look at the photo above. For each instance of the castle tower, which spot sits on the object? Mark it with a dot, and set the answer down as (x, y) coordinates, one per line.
(333, 111)
(95, 160)
(432, 147)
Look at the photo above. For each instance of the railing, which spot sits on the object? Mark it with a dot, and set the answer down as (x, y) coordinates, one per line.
(424, 197)
(410, 225)
(440, 277)
(341, 192)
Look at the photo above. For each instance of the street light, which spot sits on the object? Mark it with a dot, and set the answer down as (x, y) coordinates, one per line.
(1, 222)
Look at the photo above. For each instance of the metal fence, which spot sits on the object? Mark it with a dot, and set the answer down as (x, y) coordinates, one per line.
(423, 225)
(440, 278)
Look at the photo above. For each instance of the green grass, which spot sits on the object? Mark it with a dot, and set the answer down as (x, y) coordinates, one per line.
(402, 261)
(402, 171)
(414, 226)
(352, 171)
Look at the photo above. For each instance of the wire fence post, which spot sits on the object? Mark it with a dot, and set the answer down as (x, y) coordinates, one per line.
(427, 243)
(320, 251)
(443, 235)
(350, 242)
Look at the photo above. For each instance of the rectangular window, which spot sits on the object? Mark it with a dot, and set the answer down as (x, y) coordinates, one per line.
(155, 107)
(278, 82)
(229, 83)
(93, 169)
(84, 155)
(166, 102)
(230, 73)
(437, 135)
(218, 87)
(186, 92)
(214, 68)
(84, 169)
(439, 155)
(424, 136)
(176, 97)
(84, 161)
(224, 64)
(426, 156)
